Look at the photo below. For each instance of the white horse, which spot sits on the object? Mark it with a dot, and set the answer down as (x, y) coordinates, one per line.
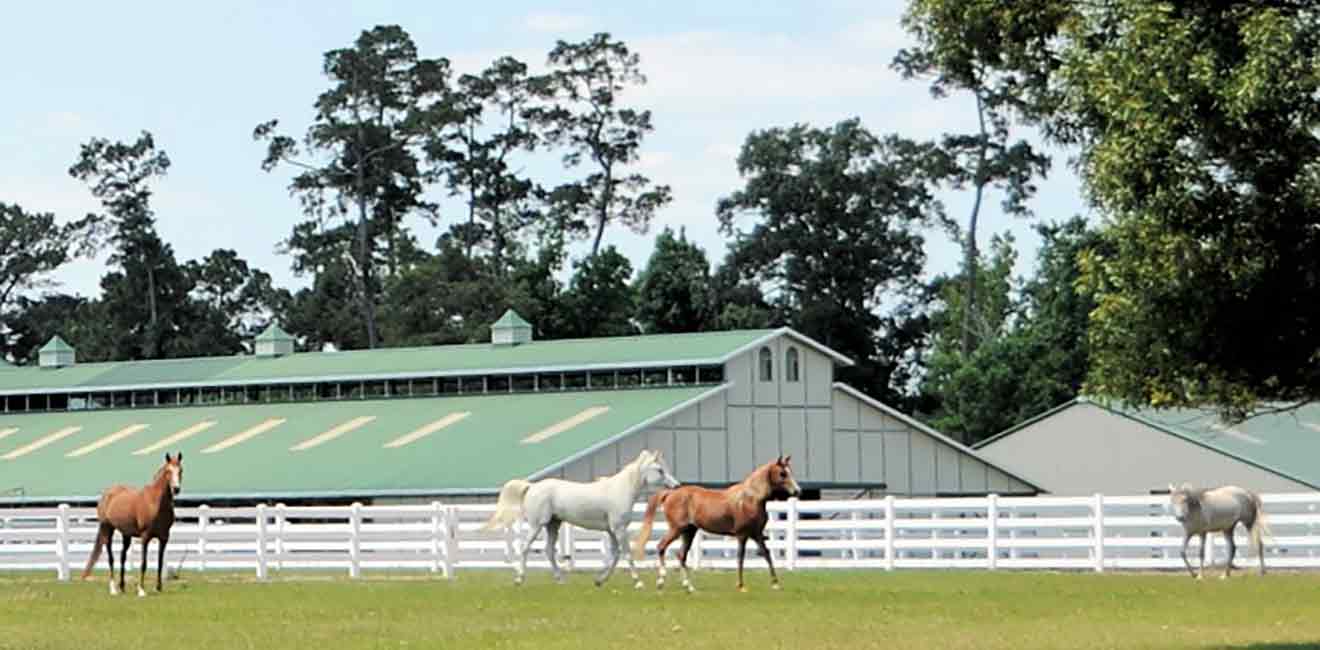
(605, 505)
(1218, 510)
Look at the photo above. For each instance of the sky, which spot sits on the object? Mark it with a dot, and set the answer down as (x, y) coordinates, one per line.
(201, 76)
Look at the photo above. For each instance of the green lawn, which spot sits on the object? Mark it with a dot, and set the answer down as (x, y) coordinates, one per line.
(816, 610)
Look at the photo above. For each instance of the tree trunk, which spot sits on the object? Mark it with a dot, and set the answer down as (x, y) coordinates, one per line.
(971, 263)
(364, 263)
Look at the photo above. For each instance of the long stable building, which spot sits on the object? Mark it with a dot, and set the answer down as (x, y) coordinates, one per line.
(440, 421)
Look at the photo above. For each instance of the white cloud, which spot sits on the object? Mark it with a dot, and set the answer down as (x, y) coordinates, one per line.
(556, 23)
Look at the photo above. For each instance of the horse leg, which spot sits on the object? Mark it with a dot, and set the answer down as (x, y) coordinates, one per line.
(623, 547)
(552, 548)
(109, 539)
(671, 535)
(1232, 550)
(520, 570)
(689, 534)
(613, 559)
(774, 578)
(1201, 573)
(142, 574)
(160, 559)
(123, 559)
(742, 551)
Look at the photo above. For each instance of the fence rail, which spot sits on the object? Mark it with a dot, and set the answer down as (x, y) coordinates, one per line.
(1095, 533)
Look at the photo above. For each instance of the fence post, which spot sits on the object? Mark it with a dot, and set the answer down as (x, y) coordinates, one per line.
(1099, 532)
(354, 541)
(856, 537)
(62, 542)
(261, 541)
(436, 515)
(451, 542)
(279, 537)
(203, 516)
(889, 533)
(792, 534)
(992, 531)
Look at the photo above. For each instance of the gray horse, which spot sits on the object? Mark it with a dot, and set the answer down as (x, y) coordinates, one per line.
(1218, 510)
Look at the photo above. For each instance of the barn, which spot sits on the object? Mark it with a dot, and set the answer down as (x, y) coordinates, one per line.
(1085, 447)
(456, 421)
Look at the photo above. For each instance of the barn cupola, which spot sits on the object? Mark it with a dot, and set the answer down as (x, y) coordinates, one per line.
(56, 353)
(510, 329)
(274, 342)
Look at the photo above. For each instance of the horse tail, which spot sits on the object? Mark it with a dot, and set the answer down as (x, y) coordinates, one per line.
(639, 543)
(1260, 528)
(103, 536)
(509, 505)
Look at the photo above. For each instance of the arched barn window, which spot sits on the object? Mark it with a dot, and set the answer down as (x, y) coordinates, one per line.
(767, 365)
(792, 368)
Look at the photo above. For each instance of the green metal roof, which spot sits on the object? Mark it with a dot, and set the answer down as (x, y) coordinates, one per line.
(1286, 443)
(511, 319)
(438, 450)
(56, 344)
(538, 356)
(274, 333)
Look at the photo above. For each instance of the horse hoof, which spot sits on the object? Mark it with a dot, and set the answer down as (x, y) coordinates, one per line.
(1223, 577)
(114, 591)
(776, 586)
(141, 593)
(598, 583)
(742, 589)
(691, 589)
(1200, 577)
(638, 585)
(517, 582)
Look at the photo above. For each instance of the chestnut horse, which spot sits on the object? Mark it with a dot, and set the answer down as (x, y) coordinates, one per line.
(738, 510)
(147, 513)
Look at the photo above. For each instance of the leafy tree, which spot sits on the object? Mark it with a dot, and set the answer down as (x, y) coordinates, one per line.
(242, 300)
(958, 49)
(674, 290)
(381, 104)
(475, 157)
(1196, 130)
(33, 245)
(838, 233)
(1034, 352)
(144, 295)
(599, 300)
(588, 78)
(32, 321)
(1202, 134)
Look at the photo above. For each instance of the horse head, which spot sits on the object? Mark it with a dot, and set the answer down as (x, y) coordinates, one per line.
(653, 471)
(173, 471)
(780, 476)
(1182, 500)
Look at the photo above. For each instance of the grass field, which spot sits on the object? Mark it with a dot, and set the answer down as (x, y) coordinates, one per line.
(816, 610)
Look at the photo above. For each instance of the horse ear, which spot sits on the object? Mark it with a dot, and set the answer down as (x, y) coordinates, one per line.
(178, 457)
(167, 456)
(788, 459)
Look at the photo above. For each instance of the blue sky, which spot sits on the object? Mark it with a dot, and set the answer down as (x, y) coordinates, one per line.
(200, 76)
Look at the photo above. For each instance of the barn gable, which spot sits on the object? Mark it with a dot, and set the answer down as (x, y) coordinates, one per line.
(1083, 448)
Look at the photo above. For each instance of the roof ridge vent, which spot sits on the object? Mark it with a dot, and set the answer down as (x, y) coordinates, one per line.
(510, 329)
(56, 354)
(274, 342)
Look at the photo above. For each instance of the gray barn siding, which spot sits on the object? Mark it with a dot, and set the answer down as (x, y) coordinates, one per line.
(1085, 449)
(834, 437)
(872, 446)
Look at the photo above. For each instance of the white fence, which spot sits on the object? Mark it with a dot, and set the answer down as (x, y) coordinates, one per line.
(1088, 533)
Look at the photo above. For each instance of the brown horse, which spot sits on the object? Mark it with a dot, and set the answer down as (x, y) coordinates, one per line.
(147, 513)
(738, 510)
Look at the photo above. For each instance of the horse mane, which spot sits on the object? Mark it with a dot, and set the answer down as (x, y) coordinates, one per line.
(754, 485)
